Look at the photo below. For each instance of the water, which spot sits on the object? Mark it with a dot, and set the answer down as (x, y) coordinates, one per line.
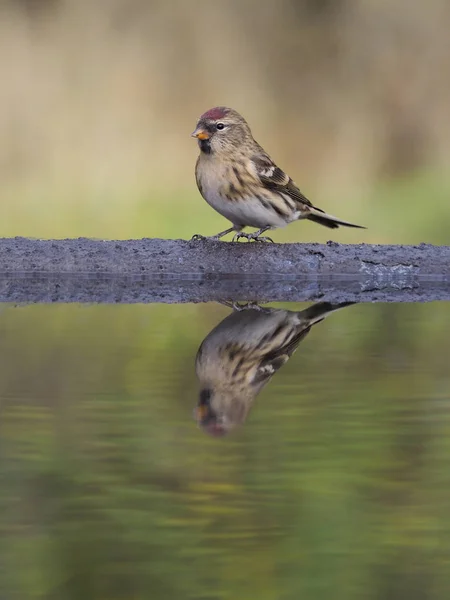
(335, 485)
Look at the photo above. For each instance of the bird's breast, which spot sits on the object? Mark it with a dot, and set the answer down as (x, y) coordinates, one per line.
(234, 192)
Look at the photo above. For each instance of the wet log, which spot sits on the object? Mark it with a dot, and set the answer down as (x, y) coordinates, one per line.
(156, 270)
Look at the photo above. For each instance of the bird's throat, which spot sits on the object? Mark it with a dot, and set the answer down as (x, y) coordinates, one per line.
(205, 146)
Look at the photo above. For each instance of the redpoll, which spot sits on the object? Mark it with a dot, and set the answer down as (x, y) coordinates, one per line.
(241, 182)
(240, 355)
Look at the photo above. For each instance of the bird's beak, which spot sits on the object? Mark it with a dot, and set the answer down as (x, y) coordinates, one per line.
(200, 134)
(200, 412)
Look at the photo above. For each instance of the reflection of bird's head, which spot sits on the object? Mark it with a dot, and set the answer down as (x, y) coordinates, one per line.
(217, 414)
(206, 416)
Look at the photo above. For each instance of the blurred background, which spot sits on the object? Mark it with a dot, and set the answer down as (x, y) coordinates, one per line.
(97, 101)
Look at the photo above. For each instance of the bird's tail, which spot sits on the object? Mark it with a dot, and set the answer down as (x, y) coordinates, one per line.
(322, 218)
(317, 312)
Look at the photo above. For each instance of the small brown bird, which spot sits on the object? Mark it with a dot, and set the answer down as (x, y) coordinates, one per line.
(240, 355)
(239, 179)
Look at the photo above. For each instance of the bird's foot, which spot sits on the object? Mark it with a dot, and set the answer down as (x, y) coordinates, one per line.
(238, 307)
(251, 306)
(252, 237)
(197, 237)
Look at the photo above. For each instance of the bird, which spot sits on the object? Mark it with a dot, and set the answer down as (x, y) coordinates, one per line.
(242, 353)
(237, 178)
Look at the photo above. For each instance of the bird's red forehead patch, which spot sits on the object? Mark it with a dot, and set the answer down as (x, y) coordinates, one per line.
(219, 112)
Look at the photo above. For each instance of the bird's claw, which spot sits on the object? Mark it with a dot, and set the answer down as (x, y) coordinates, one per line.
(252, 237)
(200, 238)
(239, 307)
(249, 306)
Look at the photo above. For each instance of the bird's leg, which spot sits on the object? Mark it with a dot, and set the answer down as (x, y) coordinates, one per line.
(251, 306)
(238, 307)
(232, 304)
(255, 236)
(227, 303)
(197, 236)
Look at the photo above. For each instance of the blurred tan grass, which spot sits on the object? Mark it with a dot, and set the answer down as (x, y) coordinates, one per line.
(98, 99)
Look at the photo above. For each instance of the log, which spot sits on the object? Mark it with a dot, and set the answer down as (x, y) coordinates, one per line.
(157, 270)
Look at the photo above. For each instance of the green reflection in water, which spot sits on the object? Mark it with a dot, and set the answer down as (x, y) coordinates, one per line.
(336, 486)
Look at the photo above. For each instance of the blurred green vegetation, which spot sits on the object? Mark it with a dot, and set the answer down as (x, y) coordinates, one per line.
(410, 209)
(336, 486)
(98, 100)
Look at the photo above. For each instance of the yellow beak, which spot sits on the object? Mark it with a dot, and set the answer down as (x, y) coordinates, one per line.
(200, 134)
(201, 412)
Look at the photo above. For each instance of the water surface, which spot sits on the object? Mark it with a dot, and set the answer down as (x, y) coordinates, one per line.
(336, 485)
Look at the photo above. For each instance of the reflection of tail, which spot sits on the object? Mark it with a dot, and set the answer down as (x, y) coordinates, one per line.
(317, 312)
(322, 218)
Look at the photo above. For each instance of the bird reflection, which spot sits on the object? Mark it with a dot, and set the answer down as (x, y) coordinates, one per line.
(240, 356)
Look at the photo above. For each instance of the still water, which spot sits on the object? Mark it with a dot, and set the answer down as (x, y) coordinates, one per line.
(303, 460)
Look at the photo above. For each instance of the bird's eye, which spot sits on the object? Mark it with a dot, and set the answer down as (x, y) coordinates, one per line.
(220, 126)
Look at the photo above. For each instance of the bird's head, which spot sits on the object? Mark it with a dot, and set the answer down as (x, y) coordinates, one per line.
(220, 130)
(209, 419)
(218, 412)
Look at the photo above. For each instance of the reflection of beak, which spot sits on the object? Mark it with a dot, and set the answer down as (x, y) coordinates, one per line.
(200, 134)
(201, 412)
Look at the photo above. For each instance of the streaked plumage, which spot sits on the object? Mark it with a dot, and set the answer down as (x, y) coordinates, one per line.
(240, 355)
(240, 181)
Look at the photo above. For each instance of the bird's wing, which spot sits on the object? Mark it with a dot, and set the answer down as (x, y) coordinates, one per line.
(273, 178)
(275, 359)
